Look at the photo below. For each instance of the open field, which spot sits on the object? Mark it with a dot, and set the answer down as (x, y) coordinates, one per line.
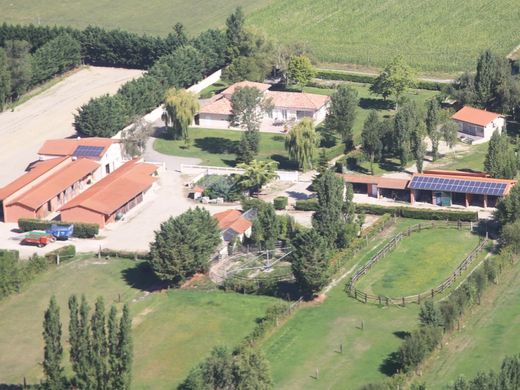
(472, 159)
(433, 36)
(489, 333)
(155, 17)
(311, 339)
(419, 262)
(172, 331)
(51, 115)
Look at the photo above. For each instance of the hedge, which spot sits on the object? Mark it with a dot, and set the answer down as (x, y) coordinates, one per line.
(369, 79)
(66, 253)
(81, 230)
(306, 205)
(416, 213)
(125, 254)
(280, 202)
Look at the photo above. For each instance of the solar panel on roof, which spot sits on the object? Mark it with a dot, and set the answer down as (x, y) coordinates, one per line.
(88, 151)
(457, 185)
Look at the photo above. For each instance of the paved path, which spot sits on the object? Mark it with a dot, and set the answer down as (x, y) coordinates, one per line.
(51, 115)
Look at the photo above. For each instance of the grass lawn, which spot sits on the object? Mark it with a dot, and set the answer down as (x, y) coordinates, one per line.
(472, 159)
(154, 17)
(368, 101)
(217, 147)
(172, 331)
(489, 333)
(429, 34)
(419, 262)
(311, 339)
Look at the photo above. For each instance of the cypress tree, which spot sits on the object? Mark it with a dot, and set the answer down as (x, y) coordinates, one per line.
(99, 344)
(53, 350)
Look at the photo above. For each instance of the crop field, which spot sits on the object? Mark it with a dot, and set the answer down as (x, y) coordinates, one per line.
(312, 337)
(419, 262)
(489, 332)
(155, 17)
(172, 331)
(432, 35)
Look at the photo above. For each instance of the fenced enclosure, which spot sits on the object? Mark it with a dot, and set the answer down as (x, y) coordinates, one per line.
(365, 297)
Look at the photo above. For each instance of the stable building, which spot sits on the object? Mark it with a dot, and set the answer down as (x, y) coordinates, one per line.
(106, 152)
(478, 125)
(45, 188)
(113, 196)
(435, 187)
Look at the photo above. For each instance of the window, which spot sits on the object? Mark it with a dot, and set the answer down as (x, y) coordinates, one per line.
(107, 169)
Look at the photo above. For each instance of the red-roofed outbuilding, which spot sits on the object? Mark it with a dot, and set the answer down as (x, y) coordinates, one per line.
(478, 125)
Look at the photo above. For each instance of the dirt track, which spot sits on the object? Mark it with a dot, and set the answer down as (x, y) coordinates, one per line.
(50, 115)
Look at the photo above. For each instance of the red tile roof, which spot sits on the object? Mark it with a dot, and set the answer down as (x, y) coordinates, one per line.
(38, 169)
(116, 189)
(475, 116)
(242, 84)
(57, 183)
(217, 105)
(232, 219)
(382, 182)
(297, 100)
(66, 147)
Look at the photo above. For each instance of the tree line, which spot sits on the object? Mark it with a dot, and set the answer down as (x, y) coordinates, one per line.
(100, 347)
(21, 69)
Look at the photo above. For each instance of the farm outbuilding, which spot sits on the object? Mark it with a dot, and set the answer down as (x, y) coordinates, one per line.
(478, 125)
(45, 188)
(113, 196)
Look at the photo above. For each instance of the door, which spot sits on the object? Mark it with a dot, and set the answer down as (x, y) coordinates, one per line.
(438, 198)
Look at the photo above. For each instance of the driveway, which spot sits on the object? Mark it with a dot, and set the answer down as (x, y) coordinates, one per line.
(51, 115)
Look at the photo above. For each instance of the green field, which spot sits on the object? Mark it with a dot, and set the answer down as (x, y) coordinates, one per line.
(432, 35)
(172, 331)
(473, 159)
(489, 333)
(420, 262)
(311, 338)
(154, 17)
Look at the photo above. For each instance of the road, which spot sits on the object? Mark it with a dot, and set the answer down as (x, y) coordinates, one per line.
(51, 115)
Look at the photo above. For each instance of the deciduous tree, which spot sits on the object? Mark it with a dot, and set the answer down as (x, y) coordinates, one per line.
(394, 80)
(371, 140)
(406, 121)
(53, 350)
(180, 107)
(301, 143)
(5, 79)
(342, 113)
(432, 121)
(19, 64)
(501, 161)
(300, 70)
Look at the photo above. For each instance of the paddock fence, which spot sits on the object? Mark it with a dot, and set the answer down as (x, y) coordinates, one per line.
(365, 297)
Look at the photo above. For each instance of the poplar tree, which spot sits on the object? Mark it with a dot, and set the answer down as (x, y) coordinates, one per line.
(99, 344)
(112, 345)
(124, 351)
(342, 113)
(53, 350)
(406, 121)
(501, 161)
(433, 118)
(372, 143)
(74, 332)
(84, 371)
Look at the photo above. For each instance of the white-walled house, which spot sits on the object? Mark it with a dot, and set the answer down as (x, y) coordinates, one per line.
(478, 125)
(287, 106)
(105, 151)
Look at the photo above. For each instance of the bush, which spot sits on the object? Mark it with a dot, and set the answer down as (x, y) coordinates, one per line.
(81, 230)
(416, 213)
(66, 253)
(307, 205)
(125, 254)
(280, 202)
(369, 79)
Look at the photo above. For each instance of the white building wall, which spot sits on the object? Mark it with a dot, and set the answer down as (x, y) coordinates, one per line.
(113, 158)
(218, 121)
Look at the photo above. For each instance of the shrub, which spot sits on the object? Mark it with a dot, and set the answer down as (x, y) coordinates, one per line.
(280, 202)
(81, 230)
(307, 205)
(125, 254)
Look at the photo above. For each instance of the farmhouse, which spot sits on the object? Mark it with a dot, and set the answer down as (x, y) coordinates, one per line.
(45, 187)
(436, 187)
(234, 223)
(287, 106)
(478, 125)
(106, 152)
(111, 197)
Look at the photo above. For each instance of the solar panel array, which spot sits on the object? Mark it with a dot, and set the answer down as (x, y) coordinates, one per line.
(457, 185)
(88, 151)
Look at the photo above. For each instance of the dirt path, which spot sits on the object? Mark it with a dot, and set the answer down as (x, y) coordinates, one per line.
(51, 115)
(374, 73)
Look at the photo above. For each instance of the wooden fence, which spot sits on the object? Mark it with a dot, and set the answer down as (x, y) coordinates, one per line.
(384, 300)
